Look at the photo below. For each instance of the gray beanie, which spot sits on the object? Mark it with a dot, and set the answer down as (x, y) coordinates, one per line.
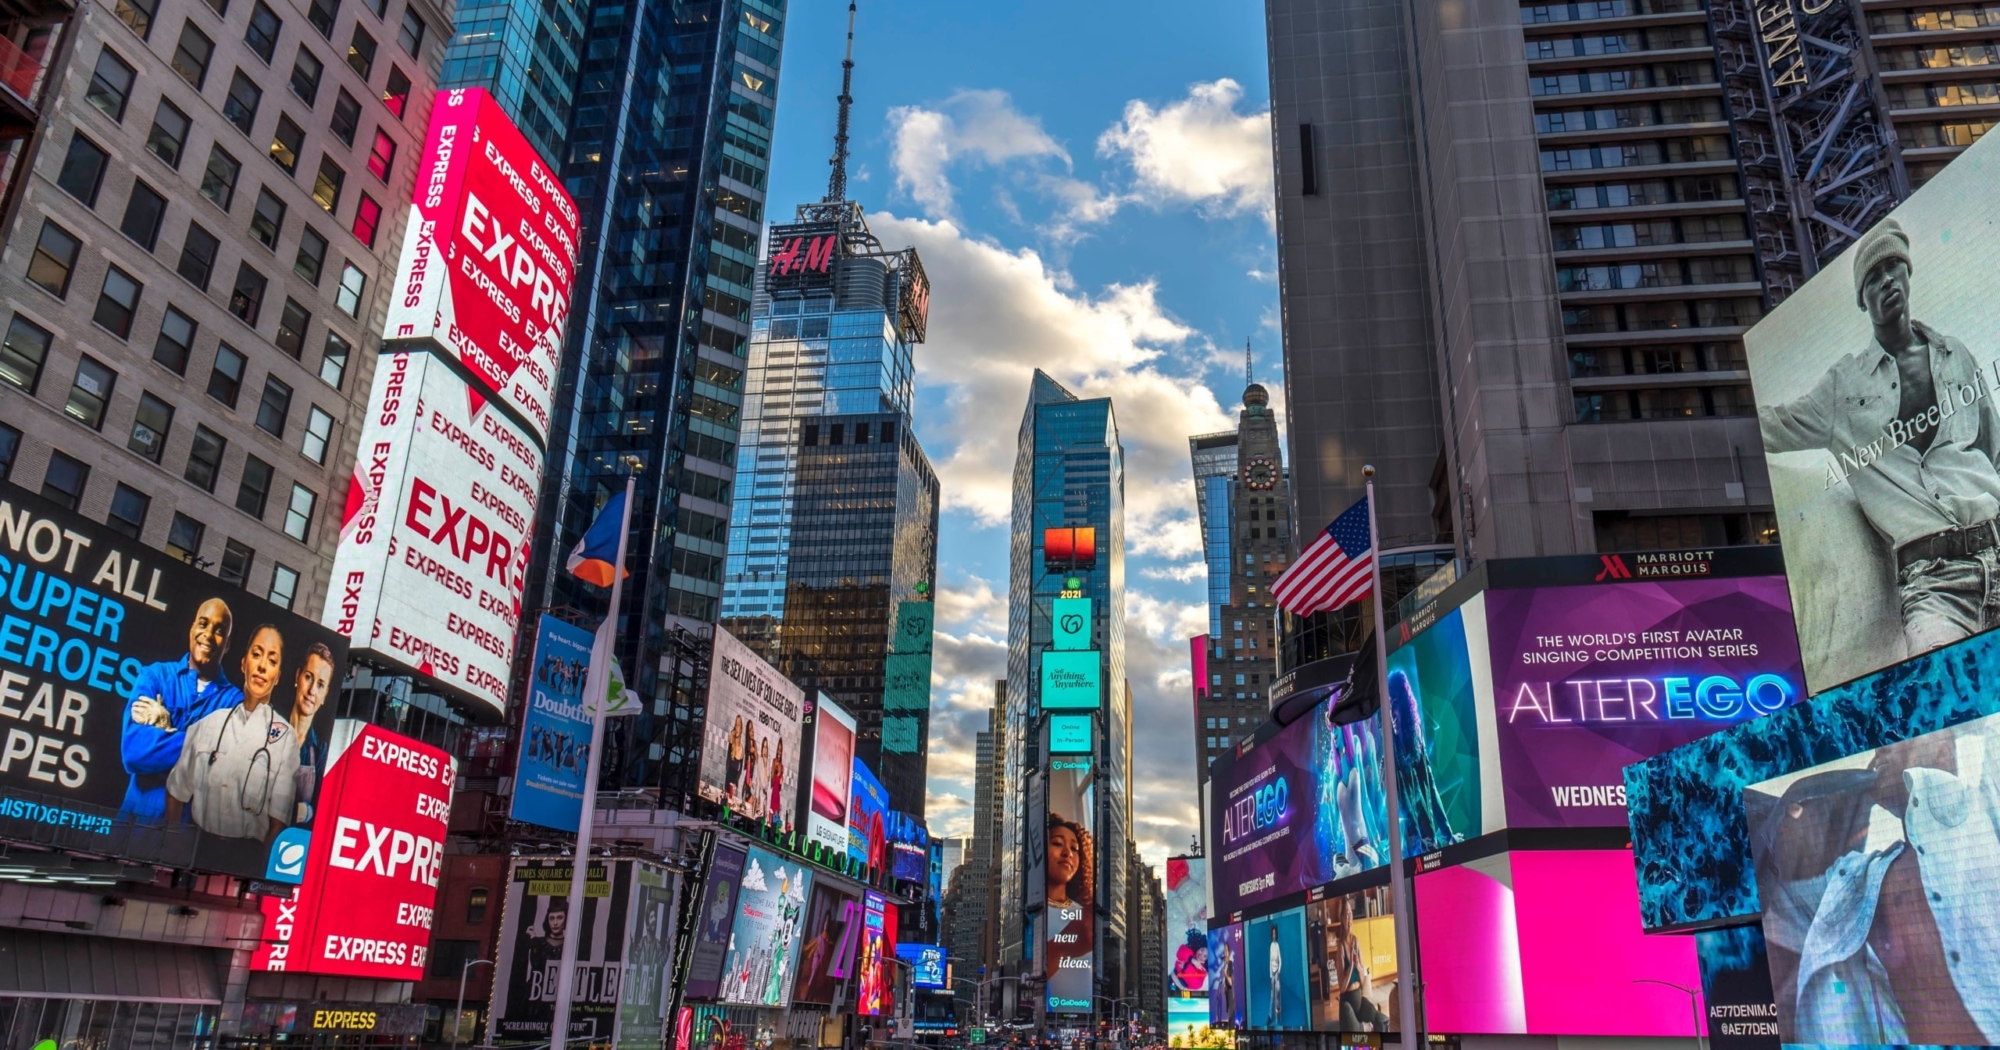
(1880, 244)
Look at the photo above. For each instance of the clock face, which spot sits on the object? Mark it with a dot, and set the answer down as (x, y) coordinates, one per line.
(1260, 473)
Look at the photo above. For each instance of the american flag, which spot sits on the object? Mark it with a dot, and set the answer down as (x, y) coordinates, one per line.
(1333, 570)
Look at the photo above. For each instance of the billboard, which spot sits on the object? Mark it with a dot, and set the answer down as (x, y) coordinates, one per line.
(1070, 680)
(1070, 735)
(1228, 980)
(804, 255)
(1070, 621)
(832, 936)
(875, 993)
(151, 711)
(926, 962)
(1351, 961)
(488, 257)
(532, 932)
(1303, 808)
(434, 535)
(1069, 549)
(868, 819)
(909, 847)
(1187, 926)
(1742, 1010)
(750, 746)
(1070, 869)
(555, 733)
(1875, 873)
(718, 913)
(764, 941)
(906, 678)
(832, 775)
(1188, 1027)
(1447, 793)
(1590, 679)
(1276, 945)
(1887, 491)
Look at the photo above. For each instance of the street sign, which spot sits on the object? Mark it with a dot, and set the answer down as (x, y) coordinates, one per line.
(976, 1036)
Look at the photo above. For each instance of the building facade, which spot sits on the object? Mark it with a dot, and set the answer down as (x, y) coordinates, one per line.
(525, 56)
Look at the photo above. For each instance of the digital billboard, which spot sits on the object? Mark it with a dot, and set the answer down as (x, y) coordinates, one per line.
(1070, 621)
(1351, 961)
(832, 775)
(1276, 950)
(875, 995)
(1188, 1027)
(434, 534)
(150, 710)
(1070, 680)
(1876, 875)
(868, 819)
(555, 731)
(1228, 980)
(1887, 493)
(832, 937)
(488, 257)
(750, 744)
(1742, 1009)
(909, 846)
(1069, 901)
(1069, 549)
(926, 962)
(1187, 926)
(1070, 735)
(1448, 792)
(1590, 679)
(532, 933)
(1305, 807)
(764, 941)
(906, 679)
(718, 913)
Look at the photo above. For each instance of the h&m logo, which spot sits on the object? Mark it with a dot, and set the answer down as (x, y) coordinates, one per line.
(802, 255)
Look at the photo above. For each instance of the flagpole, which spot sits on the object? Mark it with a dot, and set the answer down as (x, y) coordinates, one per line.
(597, 681)
(1401, 900)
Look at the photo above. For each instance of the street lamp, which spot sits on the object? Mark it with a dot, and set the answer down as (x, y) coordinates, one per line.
(458, 1015)
(1694, 1005)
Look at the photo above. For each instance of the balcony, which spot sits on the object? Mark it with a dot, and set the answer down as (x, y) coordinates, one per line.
(22, 75)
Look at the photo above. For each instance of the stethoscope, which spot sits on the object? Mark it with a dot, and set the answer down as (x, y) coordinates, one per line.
(264, 752)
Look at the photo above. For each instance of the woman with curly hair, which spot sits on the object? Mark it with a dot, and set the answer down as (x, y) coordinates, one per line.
(1072, 894)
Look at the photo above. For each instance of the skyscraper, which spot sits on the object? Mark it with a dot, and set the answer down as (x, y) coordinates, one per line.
(525, 56)
(1066, 672)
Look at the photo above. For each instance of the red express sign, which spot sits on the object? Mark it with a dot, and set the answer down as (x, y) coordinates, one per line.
(434, 538)
(371, 876)
(489, 257)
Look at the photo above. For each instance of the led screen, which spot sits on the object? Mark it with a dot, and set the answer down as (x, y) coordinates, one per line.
(1876, 876)
(909, 846)
(1069, 620)
(906, 679)
(1590, 679)
(926, 962)
(1228, 980)
(1275, 950)
(1070, 680)
(1736, 989)
(718, 911)
(868, 819)
(876, 996)
(555, 731)
(1440, 754)
(1187, 926)
(1070, 735)
(1351, 961)
(1069, 549)
(1862, 470)
(832, 935)
(770, 920)
(1070, 871)
(832, 775)
(750, 747)
(536, 924)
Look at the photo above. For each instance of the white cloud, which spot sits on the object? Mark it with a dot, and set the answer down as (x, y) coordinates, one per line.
(1187, 572)
(1198, 150)
(981, 127)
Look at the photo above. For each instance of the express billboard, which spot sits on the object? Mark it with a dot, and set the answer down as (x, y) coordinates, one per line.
(1187, 925)
(764, 941)
(434, 536)
(532, 934)
(750, 745)
(1070, 872)
(555, 729)
(373, 864)
(832, 775)
(151, 711)
(488, 258)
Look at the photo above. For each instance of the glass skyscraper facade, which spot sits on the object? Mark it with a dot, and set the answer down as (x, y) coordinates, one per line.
(525, 55)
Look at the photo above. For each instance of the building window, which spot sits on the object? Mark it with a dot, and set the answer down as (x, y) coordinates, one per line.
(204, 465)
(312, 255)
(110, 85)
(176, 341)
(90, 392)
(225, 378)
(246, 300)
(21, 356)
(348, 298)
(292, 322)
(306, 71)
(319, 434)
(361, 53)
(299, 512)
(287, 142)
(198, 253)
(10, 449)
(254, 490)
(262, 32)
(284, 586)
(143, 215)
(64, 482)
(138, 14)
(333, 360)
(396, 93)
(218, 180)
(54, 259)
(118, 303)
(411, 35)
(128, 511)
(150, 426)
(274, 407)
(184, 538)
(326, 185)
(192, 55)
(83, 167)
(381, 156)
(475, 905)
(241, 105)
(169, 135)
(321, 14)
(346, 117)
(367, 216)
(236, 562)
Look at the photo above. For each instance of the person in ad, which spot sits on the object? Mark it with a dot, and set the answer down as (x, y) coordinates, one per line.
(544, 953)
(237, 775)
(1070, 894)
(167, 697)
(1277, 1012)
(1347, 973)
(1191, 964)
(309, 689)
(1424, 816)
(1931, 492)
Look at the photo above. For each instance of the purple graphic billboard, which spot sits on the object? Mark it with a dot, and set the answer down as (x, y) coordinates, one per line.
(1590, 679)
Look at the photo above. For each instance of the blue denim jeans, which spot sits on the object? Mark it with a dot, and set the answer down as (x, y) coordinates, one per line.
(1946, 600)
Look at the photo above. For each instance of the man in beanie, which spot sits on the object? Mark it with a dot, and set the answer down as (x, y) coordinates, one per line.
(1912, 424)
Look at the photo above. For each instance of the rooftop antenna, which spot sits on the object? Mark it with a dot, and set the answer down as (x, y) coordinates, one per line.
(1247, 369)
(836, 187)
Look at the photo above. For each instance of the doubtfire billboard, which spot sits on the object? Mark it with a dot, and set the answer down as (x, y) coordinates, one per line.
(434, 534)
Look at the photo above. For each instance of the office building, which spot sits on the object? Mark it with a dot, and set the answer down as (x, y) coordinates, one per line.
(525, 56)
(974, 944)
(196, 267)
(1068, 485)
(1148, 908)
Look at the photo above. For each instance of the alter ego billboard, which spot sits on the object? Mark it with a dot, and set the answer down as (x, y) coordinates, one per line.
(750, 746)
(150, 711)
(1439, 692)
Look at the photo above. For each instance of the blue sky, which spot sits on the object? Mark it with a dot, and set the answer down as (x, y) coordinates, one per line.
(1089, 188)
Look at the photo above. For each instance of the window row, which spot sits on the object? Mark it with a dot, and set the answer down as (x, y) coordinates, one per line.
(1932, 19)
(1634, 115)
(1683, 190)
(1538, 14)
(1659, 74)
(1691, 150)
(1697, 229)
(1941, 133)
(1662, 273)
(1669, 403)
(1924, 96)
(1632, 41)
(1894, 58)
(1672, 359)
(1662, 316)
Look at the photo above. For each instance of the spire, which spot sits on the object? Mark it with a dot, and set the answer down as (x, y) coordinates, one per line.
(836, 187)
(1249, 372)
